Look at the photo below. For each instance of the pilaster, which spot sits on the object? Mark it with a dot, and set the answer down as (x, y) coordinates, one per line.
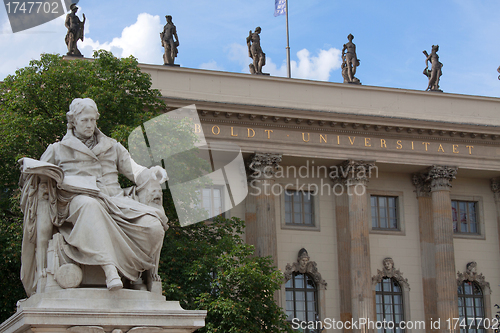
(495, 188)
(427, 247)
(260, 216)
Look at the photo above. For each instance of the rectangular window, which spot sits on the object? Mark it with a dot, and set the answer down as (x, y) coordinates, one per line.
(384, 210)
(211, 200)
(464, 215)
(299, 209)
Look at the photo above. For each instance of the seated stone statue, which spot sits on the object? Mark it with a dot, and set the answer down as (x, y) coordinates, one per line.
(79, 222)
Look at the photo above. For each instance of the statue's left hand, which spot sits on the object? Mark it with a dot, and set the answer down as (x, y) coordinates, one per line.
(159, 173)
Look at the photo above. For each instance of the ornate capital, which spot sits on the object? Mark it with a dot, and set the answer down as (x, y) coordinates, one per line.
(304, 265)
(352, 172)
(388, 271)
(263, 165)
(440, 177)
(471, 274)
(423, 187)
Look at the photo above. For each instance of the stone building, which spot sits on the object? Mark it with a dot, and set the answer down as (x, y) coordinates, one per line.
(420, 243)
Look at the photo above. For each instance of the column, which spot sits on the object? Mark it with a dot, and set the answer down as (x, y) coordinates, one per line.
(427, 247)
(495, 187)
(446, 280)
(343, 253)
(354, 175)
(260, 216)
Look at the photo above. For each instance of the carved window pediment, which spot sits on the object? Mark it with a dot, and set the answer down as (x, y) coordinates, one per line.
(388, 271)
(471, 274)
(304, 265)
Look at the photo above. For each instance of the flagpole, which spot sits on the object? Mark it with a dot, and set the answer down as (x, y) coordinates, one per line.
(289, 70)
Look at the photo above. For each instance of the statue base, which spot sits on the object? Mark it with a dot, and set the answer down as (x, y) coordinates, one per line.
(78, 56)
(435, 90)
(173, 65)
(92, 310)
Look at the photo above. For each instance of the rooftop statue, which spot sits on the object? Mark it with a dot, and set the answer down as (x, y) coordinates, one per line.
(498, 70)
(255, 52)
(435, 73)
(75, 31)
(350, 61)
(79, 223)
(168, 42)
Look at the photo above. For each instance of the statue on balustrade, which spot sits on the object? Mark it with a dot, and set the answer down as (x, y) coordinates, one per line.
(75, 31)
(169, 41)
(350, 61)
(80, 227)
(434, 74)
(255, 52)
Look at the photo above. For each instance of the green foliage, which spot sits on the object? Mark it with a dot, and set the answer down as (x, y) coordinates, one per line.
(219, 273)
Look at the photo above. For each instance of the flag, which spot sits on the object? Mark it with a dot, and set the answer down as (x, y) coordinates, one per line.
(279, 7)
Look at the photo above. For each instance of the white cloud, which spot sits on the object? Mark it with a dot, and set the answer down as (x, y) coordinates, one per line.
(308, 66)
(212, 65)
(17, 49)
(141, 39)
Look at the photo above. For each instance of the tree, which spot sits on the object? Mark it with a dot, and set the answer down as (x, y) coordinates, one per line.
(219, 273)
(206, 265)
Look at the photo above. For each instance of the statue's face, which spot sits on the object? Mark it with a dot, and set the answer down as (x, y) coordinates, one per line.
(303, 262)
(85, 123)
(388, 264)
(152, 195)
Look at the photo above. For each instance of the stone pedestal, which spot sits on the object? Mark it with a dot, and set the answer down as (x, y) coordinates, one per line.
(101, 311)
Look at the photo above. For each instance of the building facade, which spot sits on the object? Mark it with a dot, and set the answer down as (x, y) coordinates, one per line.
(377, 203)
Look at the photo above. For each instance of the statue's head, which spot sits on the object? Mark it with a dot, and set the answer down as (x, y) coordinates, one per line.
(73, 7)
(82, 117)
(303, 258)
(350, 37)
(388, 264)
(435, 48)
(258, 30)
(169, 18)
(472, 267)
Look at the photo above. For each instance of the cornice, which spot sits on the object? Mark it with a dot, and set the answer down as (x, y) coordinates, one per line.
(358, 127)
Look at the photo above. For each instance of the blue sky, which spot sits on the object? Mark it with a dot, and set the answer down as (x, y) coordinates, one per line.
(389, 35)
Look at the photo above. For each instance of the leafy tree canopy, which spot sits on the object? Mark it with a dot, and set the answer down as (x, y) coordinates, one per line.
(205, 266)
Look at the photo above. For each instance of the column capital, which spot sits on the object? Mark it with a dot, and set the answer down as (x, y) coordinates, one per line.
(353, 171)
(440, 177)
(263, 165)
(423, 187)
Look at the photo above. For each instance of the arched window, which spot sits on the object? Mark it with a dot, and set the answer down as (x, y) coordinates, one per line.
(392, 297)
(474, 301)
(304, 291)
(301, 298)
(471, 307)
(389, 303)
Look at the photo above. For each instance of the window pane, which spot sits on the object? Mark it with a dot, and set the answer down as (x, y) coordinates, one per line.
(299, 281)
